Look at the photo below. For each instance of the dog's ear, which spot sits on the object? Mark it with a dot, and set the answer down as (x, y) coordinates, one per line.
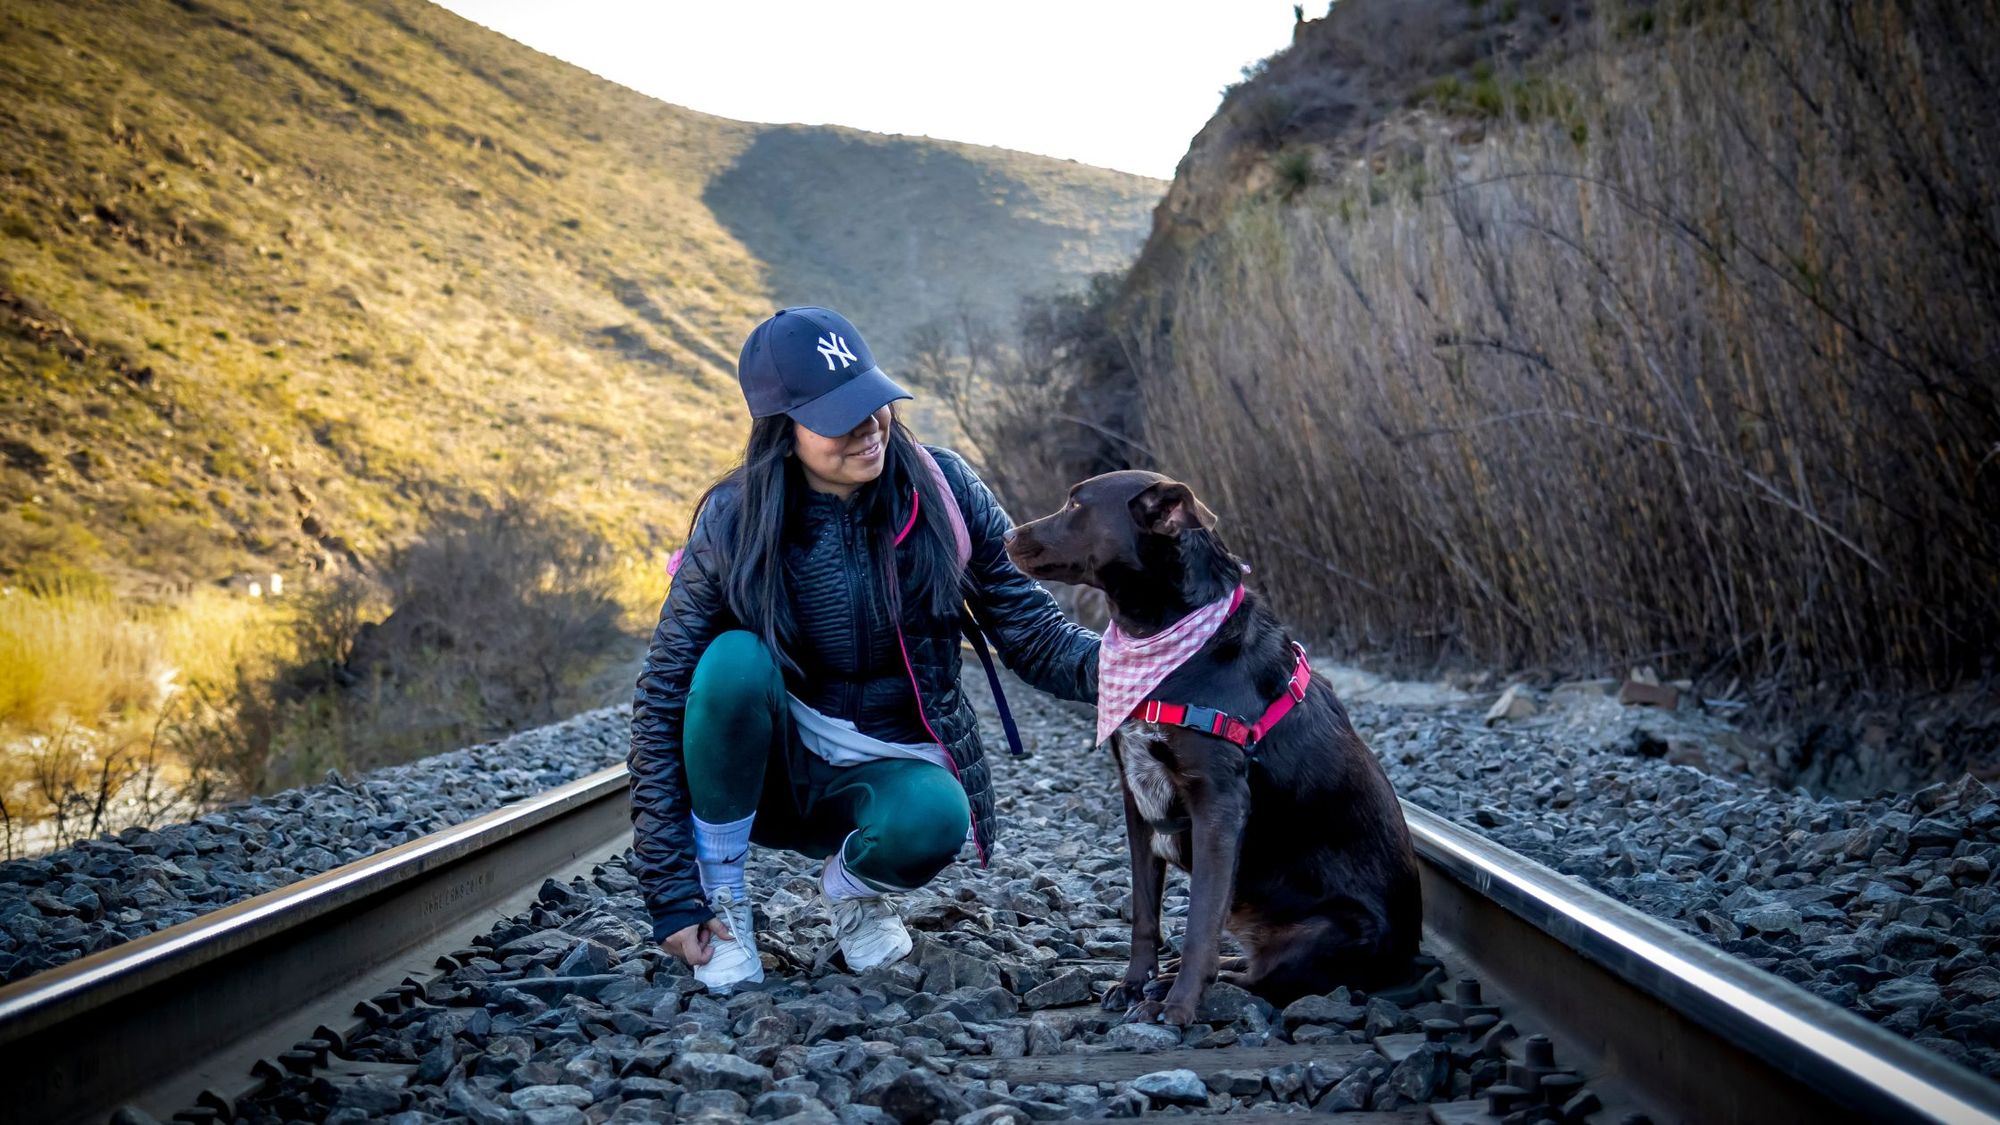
(1169, 507)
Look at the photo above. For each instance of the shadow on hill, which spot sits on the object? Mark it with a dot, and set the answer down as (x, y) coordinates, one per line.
(894, 231)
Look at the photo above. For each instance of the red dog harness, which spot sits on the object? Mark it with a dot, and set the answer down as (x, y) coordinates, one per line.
(1221, 724)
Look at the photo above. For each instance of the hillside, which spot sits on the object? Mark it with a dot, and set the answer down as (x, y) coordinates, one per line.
(276, 279)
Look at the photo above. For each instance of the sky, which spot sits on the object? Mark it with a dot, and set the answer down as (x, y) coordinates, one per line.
(1115, 83)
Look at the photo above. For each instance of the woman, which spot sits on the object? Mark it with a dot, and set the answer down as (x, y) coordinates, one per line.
(801, 691)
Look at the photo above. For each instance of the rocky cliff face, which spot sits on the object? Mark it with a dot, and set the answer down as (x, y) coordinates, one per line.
(1358, 83)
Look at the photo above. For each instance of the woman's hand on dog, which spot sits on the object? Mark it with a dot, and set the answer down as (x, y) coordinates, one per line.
(691, 943)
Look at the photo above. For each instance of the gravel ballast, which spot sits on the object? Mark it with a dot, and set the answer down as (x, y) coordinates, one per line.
(569, 1014)
(57, 907)
(1884, 906)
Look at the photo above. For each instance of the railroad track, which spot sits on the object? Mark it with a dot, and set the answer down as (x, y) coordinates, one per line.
(185, 1021)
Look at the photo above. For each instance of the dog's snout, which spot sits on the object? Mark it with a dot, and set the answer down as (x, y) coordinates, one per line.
(1008, 539)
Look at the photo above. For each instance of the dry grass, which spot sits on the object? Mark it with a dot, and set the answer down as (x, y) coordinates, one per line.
(1699, 372)
(72, 653)
(88, 686)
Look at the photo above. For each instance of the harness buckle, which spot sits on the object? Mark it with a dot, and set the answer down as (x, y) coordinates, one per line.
(1205, 719)
(1295, 688)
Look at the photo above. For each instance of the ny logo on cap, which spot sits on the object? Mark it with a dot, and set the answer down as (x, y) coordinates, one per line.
(832, 346)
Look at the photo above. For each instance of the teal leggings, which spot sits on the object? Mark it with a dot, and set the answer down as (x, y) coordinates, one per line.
(907, 817)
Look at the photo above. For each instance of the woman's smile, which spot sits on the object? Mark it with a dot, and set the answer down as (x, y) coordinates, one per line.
(844, 463)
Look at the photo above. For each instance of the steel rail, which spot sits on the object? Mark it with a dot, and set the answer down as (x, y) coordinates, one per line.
(80, 1039)
(1695, 1033)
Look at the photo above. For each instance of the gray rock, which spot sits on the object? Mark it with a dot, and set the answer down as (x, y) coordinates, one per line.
(1774, 918)
(476, 1106)
(946, 969)
(869, 1089)
(1223, 1002)
(997, 1114)
(1044, 1038)
(701, 1070)
(1142, 1037)
(1908, 943)
(713, 1103)
(549, 1097)
(1350, 1093)
(921, 1096)
(817, 1115)
(1287, 1082)
(1072, 987)
(1006, 1042)
(1327, 1010)
(373, 1096)
(1422, 1073)
(776, 1104)
(1907, 992)
(1236, 1083)
(1172, 1087)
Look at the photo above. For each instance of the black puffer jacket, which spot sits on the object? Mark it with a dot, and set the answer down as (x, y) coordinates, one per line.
(853, 669)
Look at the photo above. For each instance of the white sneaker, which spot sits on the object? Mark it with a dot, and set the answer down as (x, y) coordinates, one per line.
(732, 962)
(869, 931)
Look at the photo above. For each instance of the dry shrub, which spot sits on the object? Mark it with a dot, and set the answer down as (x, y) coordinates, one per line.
(75, 782)
(1040, 404)
(1714, 389)
(502, 607)
(490, 622)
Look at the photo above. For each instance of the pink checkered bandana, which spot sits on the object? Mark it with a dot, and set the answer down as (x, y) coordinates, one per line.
(1129, 668)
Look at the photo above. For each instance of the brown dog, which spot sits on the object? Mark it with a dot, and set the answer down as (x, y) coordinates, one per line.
(1295, 841)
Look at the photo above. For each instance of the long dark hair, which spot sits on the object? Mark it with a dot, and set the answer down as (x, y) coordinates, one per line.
(772, 489)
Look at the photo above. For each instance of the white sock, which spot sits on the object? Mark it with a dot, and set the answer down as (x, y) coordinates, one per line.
(838, 882)
(719, 850)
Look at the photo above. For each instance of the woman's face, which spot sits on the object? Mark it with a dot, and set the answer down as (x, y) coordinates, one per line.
(842, 464)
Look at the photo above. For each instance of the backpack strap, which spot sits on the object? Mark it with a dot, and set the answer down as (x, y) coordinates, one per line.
(962, 539)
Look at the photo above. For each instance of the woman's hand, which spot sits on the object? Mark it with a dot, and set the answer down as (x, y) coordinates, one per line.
(691, 943)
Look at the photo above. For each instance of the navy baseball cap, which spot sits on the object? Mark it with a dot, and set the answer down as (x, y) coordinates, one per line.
(810, 363)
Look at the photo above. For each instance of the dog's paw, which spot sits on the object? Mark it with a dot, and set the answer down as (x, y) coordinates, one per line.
(1156, 989)
(1181, 1003)
(1123, 995)
(1161, 1012)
